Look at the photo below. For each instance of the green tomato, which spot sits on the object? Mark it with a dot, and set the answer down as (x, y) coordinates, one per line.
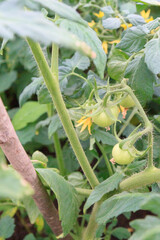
(121, 156)
(103, 119)
(127, 102)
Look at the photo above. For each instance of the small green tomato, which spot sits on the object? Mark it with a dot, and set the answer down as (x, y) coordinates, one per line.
(127, 102)
(121, 156)
(103, 119)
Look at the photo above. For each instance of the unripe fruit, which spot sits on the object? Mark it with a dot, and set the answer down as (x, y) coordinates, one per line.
(127, 102)
(103, 119)
(121, 156)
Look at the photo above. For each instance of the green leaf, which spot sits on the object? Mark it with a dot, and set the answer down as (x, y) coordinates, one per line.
(6, 80)
(54, 125)
(63, 10)
(29, 237)
(152, 55)
(123, 202)
(104, 187)
(128, 7)
(135, 166)
(31, 208)
(7, 227)
(76, 179)
(140, 79)
(44, 96)
(134, 39)
(77, 61)
(121, 233)
(105, 137)
(37, 27)
(26, 134)
(135, 19)
(111, 23)
(37, 155)
(87, 35)
(12, 185)
(66, 196)
(30, 90)
(107, 10)
(29, 113)
(70, 65)
(117, 64)
(150, 2)
(152, 205)
(146, 229)
(42, 137)
(153, 24)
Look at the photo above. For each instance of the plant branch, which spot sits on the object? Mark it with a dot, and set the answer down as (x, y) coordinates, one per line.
(20, 161)
(84, 192)
(57, 144)
(110, 171)
(58, 101)
(89, 233)
(127, 122)
(147, 177)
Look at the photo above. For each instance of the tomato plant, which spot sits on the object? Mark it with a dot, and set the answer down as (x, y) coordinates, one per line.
(67, 70)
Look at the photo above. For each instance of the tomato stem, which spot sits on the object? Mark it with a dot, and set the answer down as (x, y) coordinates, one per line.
(57, 144)
(53, 87)
(147, 177)
(134, 111)
(110, 171)
(147, 123)
(89, 233)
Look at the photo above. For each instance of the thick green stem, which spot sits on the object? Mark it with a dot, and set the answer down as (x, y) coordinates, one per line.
(84, 192)
(54, 90)
(57, 145)
(147, 177)
(89, 233)
(110, 171)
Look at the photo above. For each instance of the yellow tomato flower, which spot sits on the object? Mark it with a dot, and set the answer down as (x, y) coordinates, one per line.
(146, 15)
(99, 15)
(149, 20)
(125, 26)
(105, 46)
(96, 30)
(92, 23)
(86, 122)
(115, 41)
